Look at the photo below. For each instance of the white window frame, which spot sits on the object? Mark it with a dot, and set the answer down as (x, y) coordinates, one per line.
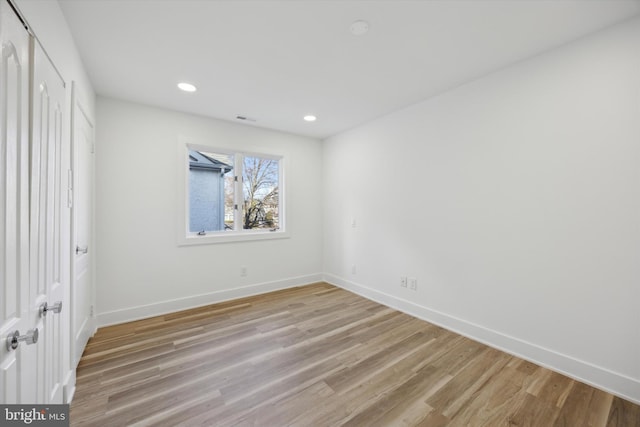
(187, 238)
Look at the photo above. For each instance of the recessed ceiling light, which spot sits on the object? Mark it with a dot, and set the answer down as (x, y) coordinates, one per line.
(310, 118)
(187, 87)
(359, 28)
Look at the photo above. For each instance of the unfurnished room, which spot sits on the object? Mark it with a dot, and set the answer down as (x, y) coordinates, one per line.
(320, 213)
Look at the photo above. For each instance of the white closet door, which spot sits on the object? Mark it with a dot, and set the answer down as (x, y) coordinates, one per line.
(17, 375)
(31, 219)
(46, 244)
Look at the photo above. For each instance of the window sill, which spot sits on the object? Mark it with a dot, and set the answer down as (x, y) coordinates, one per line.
(230, 237)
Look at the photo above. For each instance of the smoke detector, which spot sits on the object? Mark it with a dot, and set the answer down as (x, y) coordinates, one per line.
(359, 28)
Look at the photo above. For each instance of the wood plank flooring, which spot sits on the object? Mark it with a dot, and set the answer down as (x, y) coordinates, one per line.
(319, 356)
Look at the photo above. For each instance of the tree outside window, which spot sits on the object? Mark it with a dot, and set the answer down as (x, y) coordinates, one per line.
(260, 181)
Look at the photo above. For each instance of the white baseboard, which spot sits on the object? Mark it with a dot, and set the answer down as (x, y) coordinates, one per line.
(82, 338)
(164, 307)
(596, 376)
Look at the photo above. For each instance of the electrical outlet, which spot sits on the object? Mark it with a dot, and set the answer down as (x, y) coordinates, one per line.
(403, 282)
(353, 269)
(243, 271)
(354, 224)
(413, 283)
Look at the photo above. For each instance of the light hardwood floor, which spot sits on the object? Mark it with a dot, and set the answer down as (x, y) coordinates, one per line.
(319, 356)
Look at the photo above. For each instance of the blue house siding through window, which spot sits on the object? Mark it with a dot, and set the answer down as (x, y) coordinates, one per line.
(206, 192)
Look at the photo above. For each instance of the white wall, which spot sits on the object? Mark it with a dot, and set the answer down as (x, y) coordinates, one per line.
(140, 269)
(515, 202)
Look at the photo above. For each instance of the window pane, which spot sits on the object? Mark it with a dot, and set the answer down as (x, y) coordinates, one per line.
(210, 191)
(260, 208)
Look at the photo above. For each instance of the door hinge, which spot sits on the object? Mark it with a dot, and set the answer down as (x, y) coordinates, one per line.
(235, 178)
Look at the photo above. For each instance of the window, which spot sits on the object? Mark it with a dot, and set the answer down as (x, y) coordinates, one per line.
(231, 196)
(210, 185)
(260, 193)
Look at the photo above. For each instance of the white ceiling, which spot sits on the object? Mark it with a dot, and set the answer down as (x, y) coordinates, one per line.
(277, 61)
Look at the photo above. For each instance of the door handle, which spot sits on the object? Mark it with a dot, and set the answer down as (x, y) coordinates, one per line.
(14, 339)
(45, 308)
(80, 250)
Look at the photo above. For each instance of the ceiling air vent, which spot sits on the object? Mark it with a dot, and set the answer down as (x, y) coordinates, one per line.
(245, 118)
